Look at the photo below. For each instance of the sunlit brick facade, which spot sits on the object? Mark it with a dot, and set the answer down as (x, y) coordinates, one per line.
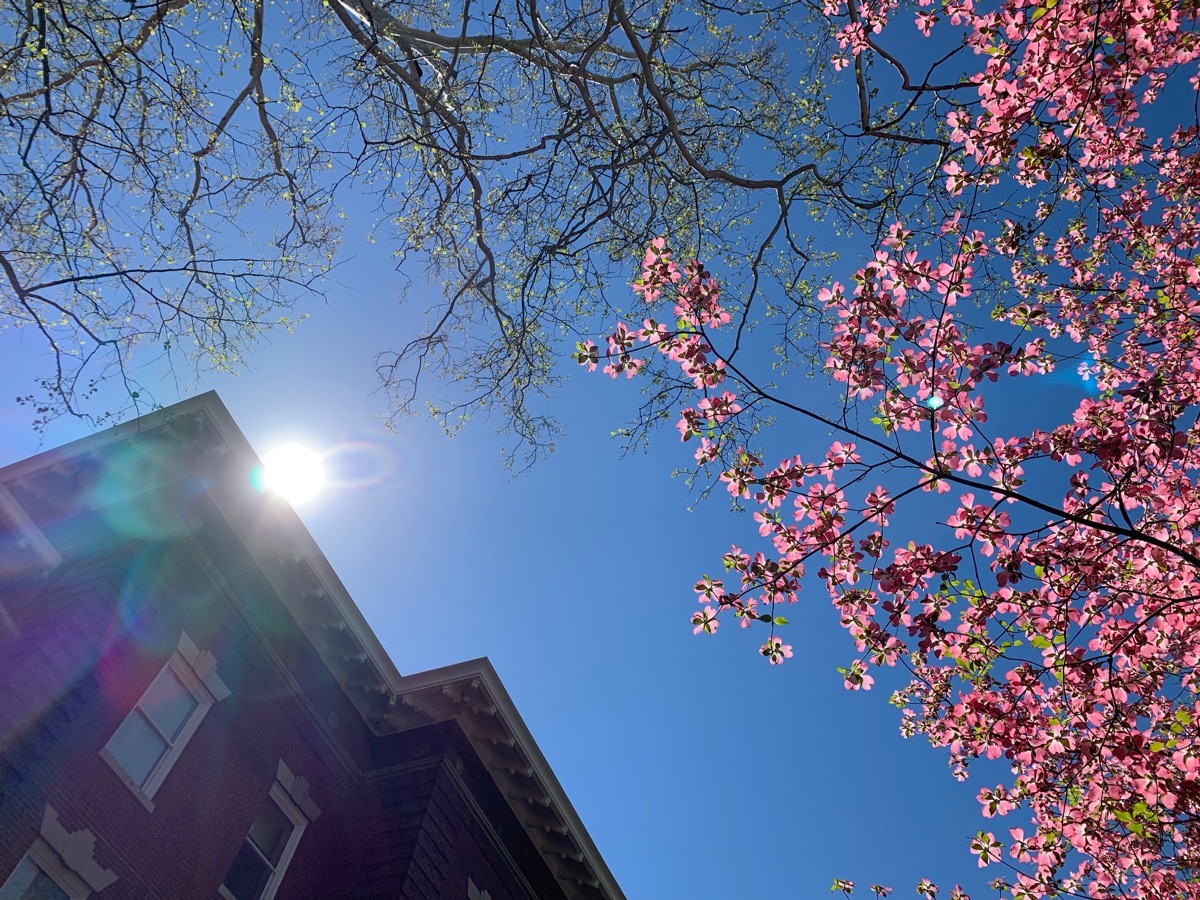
(193, 707)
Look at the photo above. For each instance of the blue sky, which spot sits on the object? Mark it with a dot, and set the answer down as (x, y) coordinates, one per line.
(700, 771)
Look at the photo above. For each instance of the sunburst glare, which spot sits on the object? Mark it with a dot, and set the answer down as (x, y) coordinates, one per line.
(294, 472)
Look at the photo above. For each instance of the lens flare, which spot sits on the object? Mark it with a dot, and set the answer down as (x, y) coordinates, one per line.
(359, 465)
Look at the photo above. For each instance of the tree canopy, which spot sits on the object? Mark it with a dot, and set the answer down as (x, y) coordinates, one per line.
(179, 171)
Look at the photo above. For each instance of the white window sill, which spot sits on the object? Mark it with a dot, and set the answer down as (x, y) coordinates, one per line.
(126, 780)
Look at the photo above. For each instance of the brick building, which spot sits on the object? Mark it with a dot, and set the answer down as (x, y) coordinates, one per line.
(193, 707)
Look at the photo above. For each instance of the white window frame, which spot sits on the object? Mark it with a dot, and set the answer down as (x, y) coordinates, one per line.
(299, 822)
(48, 862)
(67, 858)
(196, 671)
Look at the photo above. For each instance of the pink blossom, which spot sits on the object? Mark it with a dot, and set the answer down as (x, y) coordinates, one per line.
(775, 650)
(705, 621)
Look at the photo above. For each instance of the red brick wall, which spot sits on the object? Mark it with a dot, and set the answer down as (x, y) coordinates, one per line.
(66, 700)
(425, 817)
(430, 818)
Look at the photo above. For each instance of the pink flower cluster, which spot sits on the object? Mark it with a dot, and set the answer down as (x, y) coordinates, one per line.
(1056, 629)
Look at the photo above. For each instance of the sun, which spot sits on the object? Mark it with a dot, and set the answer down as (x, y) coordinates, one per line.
(294, 472)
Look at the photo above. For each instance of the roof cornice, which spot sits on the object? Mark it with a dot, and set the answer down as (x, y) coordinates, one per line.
(473, 695)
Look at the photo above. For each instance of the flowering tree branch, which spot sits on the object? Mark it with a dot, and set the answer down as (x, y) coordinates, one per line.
(1069, 645)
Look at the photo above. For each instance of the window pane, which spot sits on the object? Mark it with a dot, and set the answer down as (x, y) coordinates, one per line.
(248, 875)
(168, 703)
(137, 747)
(271, 830)
(28, 882)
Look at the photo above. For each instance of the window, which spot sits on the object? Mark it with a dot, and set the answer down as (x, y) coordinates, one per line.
(61, 865)
(148, 742)
(258, 868)
(29, 881)
(259, 865)
(154, 727)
